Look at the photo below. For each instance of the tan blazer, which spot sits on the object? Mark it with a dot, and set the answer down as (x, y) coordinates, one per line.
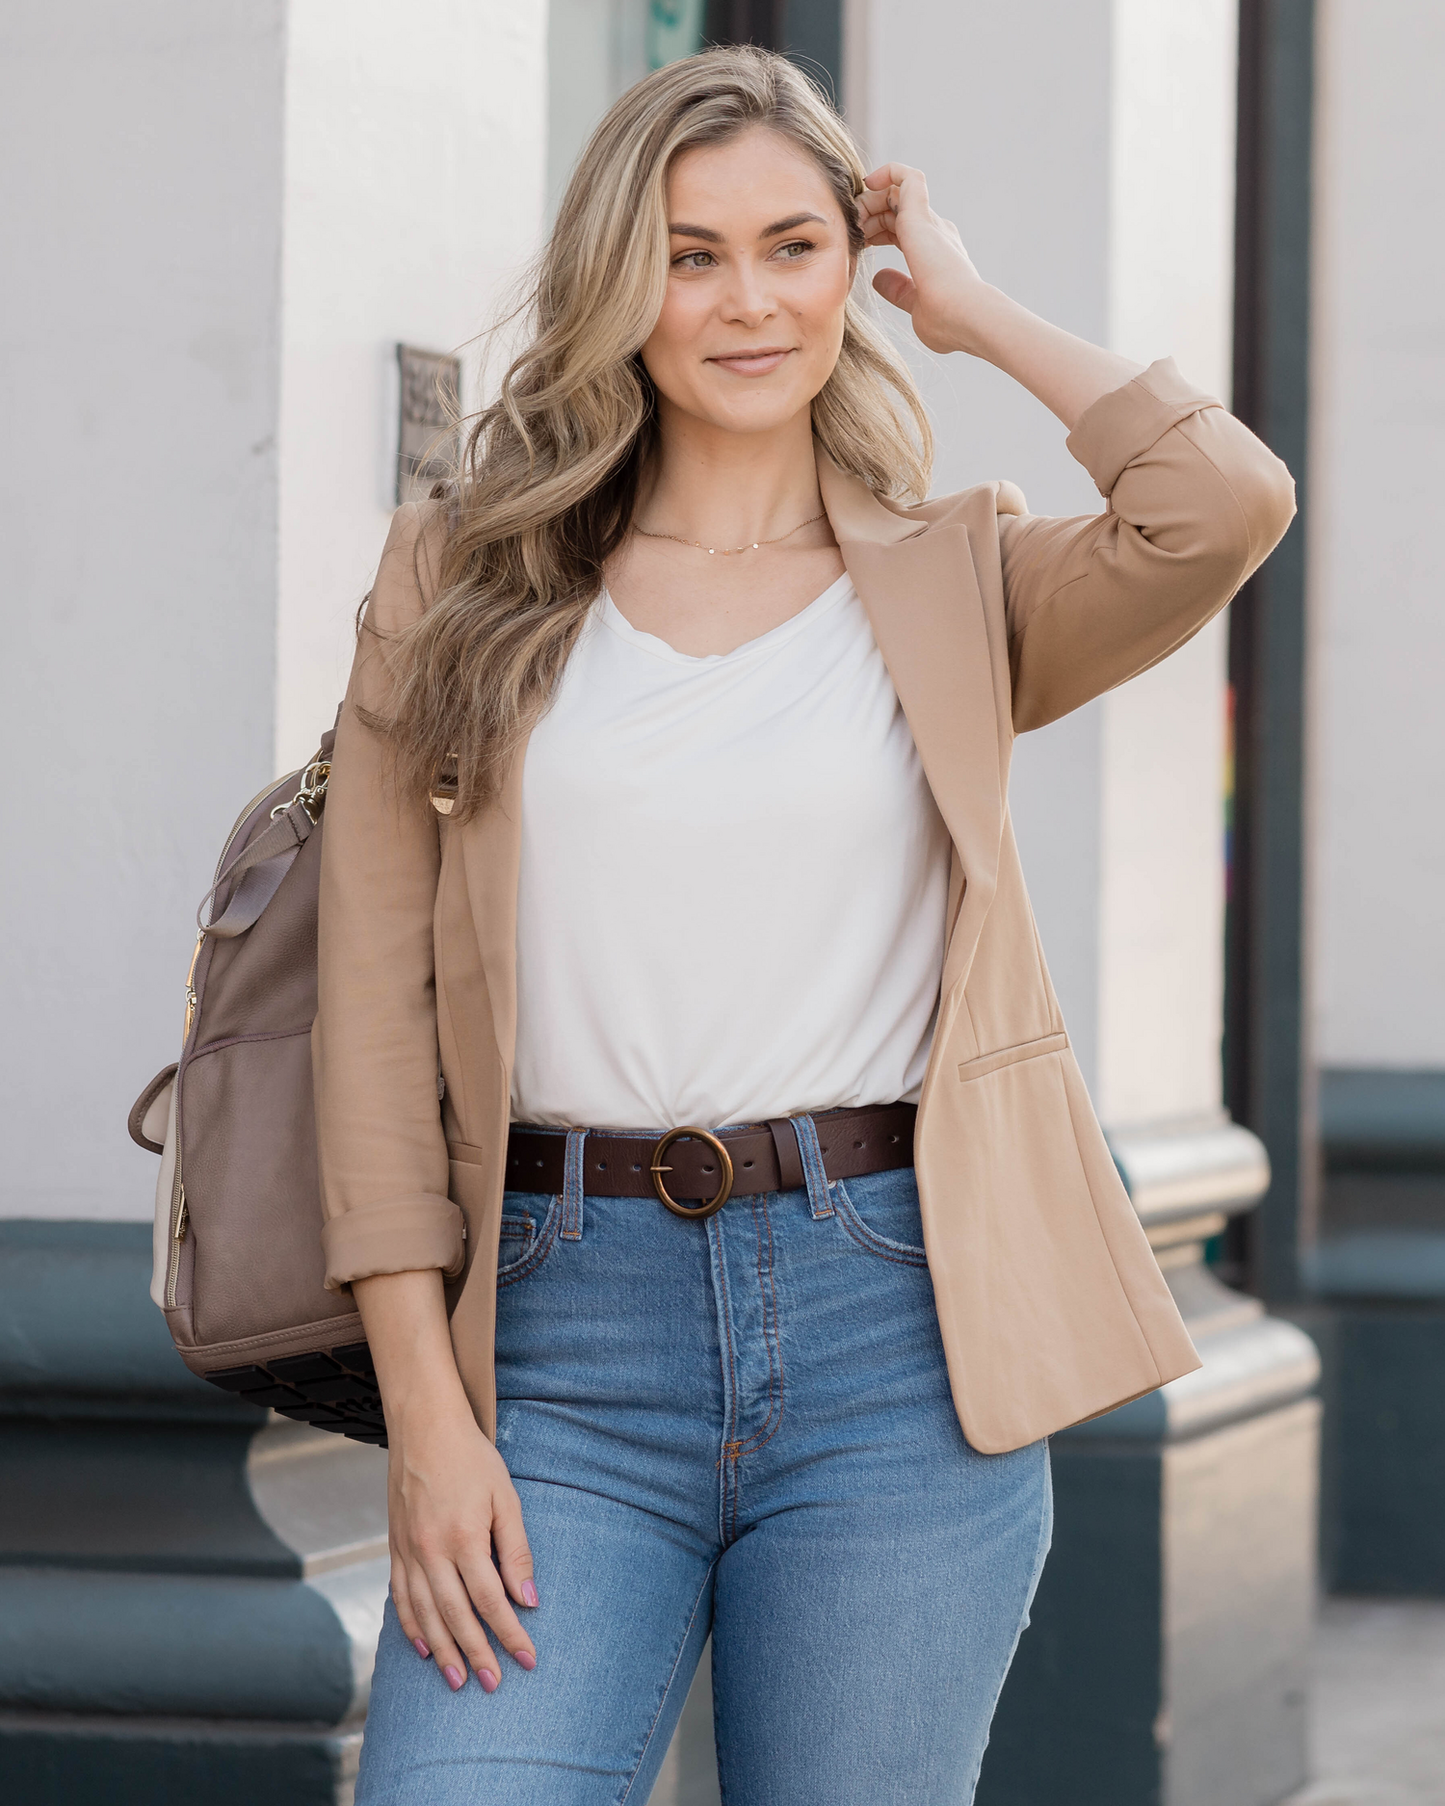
(991, 621)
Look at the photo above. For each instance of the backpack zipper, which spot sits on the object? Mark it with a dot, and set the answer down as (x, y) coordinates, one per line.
(180, 1222)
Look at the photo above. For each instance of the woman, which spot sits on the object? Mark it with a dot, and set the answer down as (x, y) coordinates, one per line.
(670, 793)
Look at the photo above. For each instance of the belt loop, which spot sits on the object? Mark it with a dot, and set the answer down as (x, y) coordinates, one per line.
(790, 1160)
(813, 1167)
(572, 1186)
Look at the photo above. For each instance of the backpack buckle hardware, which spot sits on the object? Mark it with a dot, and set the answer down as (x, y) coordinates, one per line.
(312, 793)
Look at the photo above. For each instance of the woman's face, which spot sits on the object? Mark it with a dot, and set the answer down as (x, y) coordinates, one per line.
(760, 269)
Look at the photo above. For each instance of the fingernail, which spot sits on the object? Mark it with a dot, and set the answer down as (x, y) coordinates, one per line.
(489, 1681)
(525, 1659)
(529, 1593)
(455, 1678)
(420, 1648)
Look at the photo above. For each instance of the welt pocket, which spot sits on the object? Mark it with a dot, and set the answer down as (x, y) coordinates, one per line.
(466, 1156)
(1010, 1056)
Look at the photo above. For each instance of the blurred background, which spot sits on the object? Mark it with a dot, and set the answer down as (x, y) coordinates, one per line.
(232, 228)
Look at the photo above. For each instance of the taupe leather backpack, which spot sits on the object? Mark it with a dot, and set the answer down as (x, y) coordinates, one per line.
(238, 1267)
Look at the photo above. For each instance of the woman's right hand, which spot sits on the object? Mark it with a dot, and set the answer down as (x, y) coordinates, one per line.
(450, 1499)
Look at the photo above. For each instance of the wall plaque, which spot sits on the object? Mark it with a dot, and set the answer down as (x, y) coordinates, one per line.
(430, 410)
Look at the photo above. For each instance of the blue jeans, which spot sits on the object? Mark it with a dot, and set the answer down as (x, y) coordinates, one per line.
(740, 1426)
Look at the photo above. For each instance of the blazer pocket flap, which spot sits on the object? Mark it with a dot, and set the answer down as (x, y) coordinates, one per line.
(1010, 1056)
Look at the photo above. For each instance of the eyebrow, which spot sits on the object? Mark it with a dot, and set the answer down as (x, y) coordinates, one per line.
(780, 225)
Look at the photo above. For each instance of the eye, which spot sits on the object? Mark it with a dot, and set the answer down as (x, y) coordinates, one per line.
(688, 260)
(794, 249)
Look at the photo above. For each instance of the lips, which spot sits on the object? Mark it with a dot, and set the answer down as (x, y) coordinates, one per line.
(761, 362)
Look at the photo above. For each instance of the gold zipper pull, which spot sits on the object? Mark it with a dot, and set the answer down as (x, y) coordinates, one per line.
(191, 988)
(182, 1219)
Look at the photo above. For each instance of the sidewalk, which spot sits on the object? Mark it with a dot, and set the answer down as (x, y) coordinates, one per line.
(1378, 1704)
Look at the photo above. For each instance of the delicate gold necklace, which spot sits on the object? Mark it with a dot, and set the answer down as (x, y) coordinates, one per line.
(731, 551)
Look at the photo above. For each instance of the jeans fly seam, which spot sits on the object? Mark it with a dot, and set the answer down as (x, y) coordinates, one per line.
(727, 1359)
(769, 1426)
(671, 1677)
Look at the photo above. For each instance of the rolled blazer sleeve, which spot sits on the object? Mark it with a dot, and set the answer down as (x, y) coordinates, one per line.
(383, 1157)
(1196, 504)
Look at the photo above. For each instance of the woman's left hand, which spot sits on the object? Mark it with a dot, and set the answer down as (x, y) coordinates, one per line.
(940, 282)
(954, 309)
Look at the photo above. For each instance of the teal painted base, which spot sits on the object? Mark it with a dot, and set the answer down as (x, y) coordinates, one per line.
(189, 1591)
(55, 1761)
(1383, 1493)
(1166, 1657)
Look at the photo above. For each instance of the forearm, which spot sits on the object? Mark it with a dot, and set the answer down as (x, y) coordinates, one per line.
(410, 1340)
(1066, 373)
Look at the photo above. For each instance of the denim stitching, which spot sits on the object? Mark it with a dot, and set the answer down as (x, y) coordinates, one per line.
(769, 1426)
(572, 1186)
(900, 1253)
(623, 1797)
(727, 1358)
(814, 1172)
(540, 1249)
(515, 1229)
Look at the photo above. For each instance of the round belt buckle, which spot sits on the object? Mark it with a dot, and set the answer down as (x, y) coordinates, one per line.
(658, 1168)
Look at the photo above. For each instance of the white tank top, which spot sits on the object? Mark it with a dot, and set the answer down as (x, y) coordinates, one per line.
(733, 881)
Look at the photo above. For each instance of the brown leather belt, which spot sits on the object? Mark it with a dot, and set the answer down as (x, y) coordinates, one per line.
(693, 1163)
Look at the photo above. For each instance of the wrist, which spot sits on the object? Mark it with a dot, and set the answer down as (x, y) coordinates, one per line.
(978, 318)
(423, 1393)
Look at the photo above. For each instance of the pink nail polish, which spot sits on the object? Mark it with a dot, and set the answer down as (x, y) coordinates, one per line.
(489, 1681)
(455, 1678)
(529, 1593)
(525, 1659)
(420, 1648)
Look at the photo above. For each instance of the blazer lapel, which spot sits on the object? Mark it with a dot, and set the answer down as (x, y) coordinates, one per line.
(918, 586)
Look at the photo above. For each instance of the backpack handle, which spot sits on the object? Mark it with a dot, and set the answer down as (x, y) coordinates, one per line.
(259, 867)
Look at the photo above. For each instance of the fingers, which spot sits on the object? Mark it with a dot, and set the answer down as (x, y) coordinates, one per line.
(896, 287)
(514, 1554)
(434, 1631)
(894, 175)
(488, 1596)
(405, 1611)
(453, 1589)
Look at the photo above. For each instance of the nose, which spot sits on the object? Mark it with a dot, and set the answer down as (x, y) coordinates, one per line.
(748, 300)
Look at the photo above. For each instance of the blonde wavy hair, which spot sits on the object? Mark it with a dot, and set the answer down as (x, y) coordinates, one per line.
(550, 471)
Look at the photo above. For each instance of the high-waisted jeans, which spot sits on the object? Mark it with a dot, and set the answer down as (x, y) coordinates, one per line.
(740, 1426)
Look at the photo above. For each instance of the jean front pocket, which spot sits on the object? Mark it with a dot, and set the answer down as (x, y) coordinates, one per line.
(530, 1222)
(880, 1211)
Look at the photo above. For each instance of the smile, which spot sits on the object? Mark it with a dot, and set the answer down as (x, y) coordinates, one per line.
(753, 363)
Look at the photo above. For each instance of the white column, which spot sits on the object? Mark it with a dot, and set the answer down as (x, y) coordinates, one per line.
(219, 222)
(140, 341)
(1086, 150)
(414, 179)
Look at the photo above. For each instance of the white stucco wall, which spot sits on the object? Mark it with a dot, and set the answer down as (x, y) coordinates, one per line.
(415, 174)
(217, 223)
(1377, 475)
(1092, 178)
(140, 217)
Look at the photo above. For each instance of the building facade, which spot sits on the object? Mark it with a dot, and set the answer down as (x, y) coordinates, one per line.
(226, 222)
